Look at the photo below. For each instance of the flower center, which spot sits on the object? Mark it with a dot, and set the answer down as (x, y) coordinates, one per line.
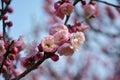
(48, 45)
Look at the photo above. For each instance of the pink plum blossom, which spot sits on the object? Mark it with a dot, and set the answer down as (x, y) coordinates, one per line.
(61, 36)
(64, 9)
(20, 43)
(48, 44)
(77, 39)
(66, 49)
(89, 9)
(67, 8)
(57, 27)
(59, 14)
(57, 5)
(2, 48)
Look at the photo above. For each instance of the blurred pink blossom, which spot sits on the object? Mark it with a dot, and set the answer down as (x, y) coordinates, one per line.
(57, 27)
(89, 9)
(2, 48)
(64, 9)
(66, 49)
(20, 43)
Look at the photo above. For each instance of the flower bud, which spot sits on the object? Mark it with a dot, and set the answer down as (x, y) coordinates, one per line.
(9, 9)
(57, 5)
(4, 69)
(40, 48)
(9, 24)
(7, 63)
(12, 56)
(4, 17)
(55, 57)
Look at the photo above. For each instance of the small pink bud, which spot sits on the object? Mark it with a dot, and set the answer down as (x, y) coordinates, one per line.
(40, 48)
(25, 62)
(57, 5)
(10, 10)
(12, 56)
(74, 29)
(6, 1)
(7, 63)
(15, 50)
(4, 17)
(6, 46)
(4, 69)
(39, 55)
(9, 24)
(55, 57)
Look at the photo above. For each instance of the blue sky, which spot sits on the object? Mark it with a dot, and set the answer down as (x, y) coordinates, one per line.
(24, 12)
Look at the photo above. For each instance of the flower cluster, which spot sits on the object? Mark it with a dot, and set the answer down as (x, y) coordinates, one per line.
(61, 40)
(11, 49)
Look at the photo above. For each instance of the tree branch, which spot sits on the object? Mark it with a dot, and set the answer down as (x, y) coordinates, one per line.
(5, 55)
(3, 11)
(117, 6)
(34, 66)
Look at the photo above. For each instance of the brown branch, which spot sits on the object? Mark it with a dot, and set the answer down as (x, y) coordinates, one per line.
(117, 6)
(34, 66)
(6, 55)
(3, 11)
(3, 22)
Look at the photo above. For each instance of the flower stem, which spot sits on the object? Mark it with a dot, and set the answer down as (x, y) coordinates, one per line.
(117, 6)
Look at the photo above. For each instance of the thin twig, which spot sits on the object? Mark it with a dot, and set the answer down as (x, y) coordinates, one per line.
(67, 18)
(3, 21)
(3, 11)
(117, 6)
